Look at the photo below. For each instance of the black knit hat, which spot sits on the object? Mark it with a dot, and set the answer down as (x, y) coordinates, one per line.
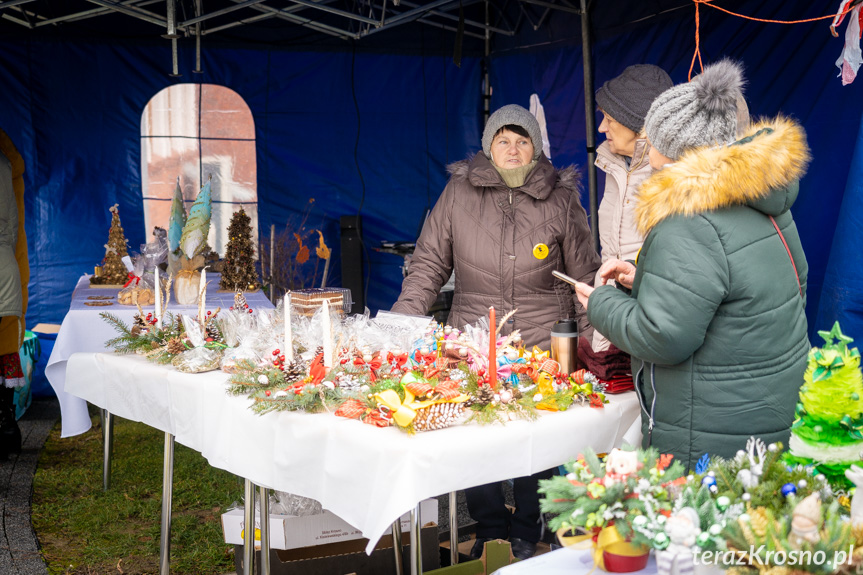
(628, 97)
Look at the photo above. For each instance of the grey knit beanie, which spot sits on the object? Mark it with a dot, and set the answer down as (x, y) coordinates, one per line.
(700, 113)
(628, 97)
(512, 114)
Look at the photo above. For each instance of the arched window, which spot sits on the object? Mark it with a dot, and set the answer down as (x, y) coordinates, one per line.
(195, 132)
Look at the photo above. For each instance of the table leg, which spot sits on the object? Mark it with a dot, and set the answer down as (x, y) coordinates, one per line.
(108, 447)
(249, 530)
(265, 531)
(416, 547)
(453, 528)
(397, 546)
(167, 493)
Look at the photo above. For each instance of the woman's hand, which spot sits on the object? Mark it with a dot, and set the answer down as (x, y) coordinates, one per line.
(583, 291)
(620, 271)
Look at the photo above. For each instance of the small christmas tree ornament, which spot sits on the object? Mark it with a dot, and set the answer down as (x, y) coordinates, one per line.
(113, 270)
(177, 220)
(238, 271)
(828, 430)
(193, 244)
(194, 239)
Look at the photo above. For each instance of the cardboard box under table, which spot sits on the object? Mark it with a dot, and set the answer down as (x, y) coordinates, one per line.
(292, 532)
(347, 557)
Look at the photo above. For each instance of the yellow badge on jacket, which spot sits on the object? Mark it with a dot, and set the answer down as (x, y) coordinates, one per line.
(540, 251)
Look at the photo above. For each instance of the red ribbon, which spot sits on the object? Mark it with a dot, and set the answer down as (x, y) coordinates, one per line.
(132, 278)
(352, 409)
(376, 417)
(373, 365)
(448, 389)
(419, 388)
(428, 358)
(431, 372)
(397, 361)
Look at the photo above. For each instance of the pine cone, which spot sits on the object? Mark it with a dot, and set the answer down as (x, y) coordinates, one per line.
(136, 330)
(484, 396)
(175, 345)
(295, 371)
(759, 521)
(240, 302)
(437, 416)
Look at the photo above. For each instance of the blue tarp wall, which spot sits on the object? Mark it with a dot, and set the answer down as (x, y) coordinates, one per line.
(74, 111)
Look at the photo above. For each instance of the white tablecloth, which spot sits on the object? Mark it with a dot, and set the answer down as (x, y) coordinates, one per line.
(564, 562)
(83, 330)
(366, 475)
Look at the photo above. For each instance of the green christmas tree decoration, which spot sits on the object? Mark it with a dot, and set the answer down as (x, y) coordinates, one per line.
(828, 430)
(238, 269)
(113, 270)
(177, 220)
(194, 238)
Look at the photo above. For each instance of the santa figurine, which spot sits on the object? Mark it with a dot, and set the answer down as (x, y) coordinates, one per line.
(682, 529)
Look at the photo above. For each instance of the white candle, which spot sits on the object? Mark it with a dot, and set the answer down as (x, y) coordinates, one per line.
(328, 336)
(158, 292)
(203, 290)
(289, 340)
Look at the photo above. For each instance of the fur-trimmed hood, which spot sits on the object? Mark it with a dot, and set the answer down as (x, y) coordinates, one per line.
(760, 170)
(480, 172)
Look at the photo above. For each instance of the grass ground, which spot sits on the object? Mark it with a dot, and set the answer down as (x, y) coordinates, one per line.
(83, 530)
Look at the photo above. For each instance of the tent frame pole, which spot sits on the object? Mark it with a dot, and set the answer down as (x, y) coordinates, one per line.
(590, 123)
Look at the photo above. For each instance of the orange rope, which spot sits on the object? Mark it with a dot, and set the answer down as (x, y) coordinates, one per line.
(709, 3)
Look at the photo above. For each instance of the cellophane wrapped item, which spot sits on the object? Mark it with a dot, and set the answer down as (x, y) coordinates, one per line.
(283, 503)
(139, 289)
(153, 254)
(200, 358)
(240, 332)
(401, 332)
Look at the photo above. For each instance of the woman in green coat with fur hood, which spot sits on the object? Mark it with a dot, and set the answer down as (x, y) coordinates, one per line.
(715, 318)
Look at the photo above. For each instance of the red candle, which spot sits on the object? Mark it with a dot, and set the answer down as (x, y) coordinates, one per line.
(492, 349)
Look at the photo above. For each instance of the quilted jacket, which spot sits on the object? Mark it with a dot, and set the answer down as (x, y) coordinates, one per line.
(488, 233)
(715, 322)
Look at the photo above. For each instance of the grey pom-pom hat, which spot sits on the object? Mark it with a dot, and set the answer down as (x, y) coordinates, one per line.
(512, 114)
(700, 113)
(627, 97)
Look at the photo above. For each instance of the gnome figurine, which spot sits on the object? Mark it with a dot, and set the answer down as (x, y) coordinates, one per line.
(806, 521)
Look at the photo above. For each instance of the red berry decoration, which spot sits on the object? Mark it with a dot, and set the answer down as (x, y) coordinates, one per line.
(209, 339)
(268, 393)
(275, 352)
(250, 310)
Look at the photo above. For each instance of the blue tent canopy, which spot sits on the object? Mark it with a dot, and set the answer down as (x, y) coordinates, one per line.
(368, 125)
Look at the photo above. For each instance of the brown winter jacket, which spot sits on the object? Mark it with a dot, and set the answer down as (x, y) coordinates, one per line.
(487, 232)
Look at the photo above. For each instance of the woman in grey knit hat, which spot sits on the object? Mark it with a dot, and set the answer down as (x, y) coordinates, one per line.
(624, 102)
(715, 320)
(506, 220)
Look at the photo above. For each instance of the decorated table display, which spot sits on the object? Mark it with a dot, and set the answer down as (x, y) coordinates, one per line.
(391, 371)
(598, 501)
(366, 475)
(83, 331)
(763, 511)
